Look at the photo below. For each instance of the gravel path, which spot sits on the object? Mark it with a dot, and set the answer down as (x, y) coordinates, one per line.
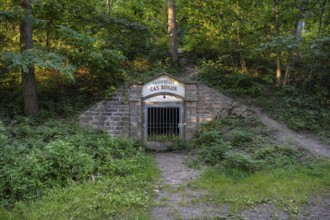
(176, 200)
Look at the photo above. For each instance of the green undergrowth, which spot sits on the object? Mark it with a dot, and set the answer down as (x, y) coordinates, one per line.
(121, 196)
(300, 110)
(247, 168)
(302, 106)
(284, 188)
(53, 169)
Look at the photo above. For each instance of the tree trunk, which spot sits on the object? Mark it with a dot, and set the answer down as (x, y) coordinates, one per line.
(109, 6)
(278, 59)
(172, 31)
(321, 18)
(288, 67)
(30, 98)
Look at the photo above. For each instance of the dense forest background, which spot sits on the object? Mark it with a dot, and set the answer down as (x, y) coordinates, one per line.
(87, 48)
(58, 57)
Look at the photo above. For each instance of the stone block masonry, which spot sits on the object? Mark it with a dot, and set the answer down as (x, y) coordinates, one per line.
(122, 115)
(110, 115)
(213, 104)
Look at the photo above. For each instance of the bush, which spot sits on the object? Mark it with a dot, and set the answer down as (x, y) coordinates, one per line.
(241, 137)
(112, 197)
(241, 161)
(55, 165)
(213, 153)
(207, 137)
(218, 75)
(37, 156)
(233, 146)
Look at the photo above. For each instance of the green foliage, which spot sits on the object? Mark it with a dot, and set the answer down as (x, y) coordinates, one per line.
(241, 137)
(249, 170)
(213, 153)
(38, 57)
(240, 161)
(301, 111)
(234, 147)
(39, 155)
(288, 187)
(121, 196)
(235, 81)
(302, 106)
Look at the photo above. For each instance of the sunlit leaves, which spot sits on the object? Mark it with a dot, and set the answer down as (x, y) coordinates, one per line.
(38, 57)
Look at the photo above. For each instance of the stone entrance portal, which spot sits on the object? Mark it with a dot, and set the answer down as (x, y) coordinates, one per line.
(163, 99)
(161, 110)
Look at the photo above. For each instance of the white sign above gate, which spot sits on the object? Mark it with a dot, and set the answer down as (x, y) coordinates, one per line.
(163, 84)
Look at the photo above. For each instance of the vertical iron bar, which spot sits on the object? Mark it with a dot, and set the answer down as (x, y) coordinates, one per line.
(176, 121)
(154, 121)
(169, 122)
(163, 125)
(173, 122)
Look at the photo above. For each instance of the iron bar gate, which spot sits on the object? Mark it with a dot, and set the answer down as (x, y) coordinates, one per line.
(162, 123)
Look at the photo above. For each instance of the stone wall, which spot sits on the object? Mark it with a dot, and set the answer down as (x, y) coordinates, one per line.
(135, 111)
(213, 104)
(122, 115)
(110, 115)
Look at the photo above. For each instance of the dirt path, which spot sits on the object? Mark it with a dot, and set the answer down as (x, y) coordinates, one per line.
(283, 133)
(174, 199)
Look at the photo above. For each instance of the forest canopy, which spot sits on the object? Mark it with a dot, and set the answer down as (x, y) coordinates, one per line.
(86, 48)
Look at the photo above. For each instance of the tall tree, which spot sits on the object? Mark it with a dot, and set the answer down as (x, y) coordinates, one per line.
(109, 6)
(278, 58)
(322, 9)
(30, 98)
(172, 31)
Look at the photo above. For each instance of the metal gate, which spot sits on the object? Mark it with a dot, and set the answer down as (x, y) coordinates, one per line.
(162, 123)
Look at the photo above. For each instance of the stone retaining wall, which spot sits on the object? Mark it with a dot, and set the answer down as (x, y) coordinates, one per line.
(122, 115)
(110, 115)
(213, 104)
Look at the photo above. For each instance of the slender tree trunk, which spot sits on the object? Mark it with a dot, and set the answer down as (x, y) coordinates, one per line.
(321, 18)
(319, 33)
(288, 67)
(294, 54)
(278, 59)
(30, 98)
(48, 30)
(240, 44)
(172, 31)
(109, 5)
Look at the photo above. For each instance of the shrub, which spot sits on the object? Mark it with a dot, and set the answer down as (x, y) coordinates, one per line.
(36, 156)
(207, 137)
(213, 153)
(241, 161)
(217, 74)
(241, 137)
(56, 164)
